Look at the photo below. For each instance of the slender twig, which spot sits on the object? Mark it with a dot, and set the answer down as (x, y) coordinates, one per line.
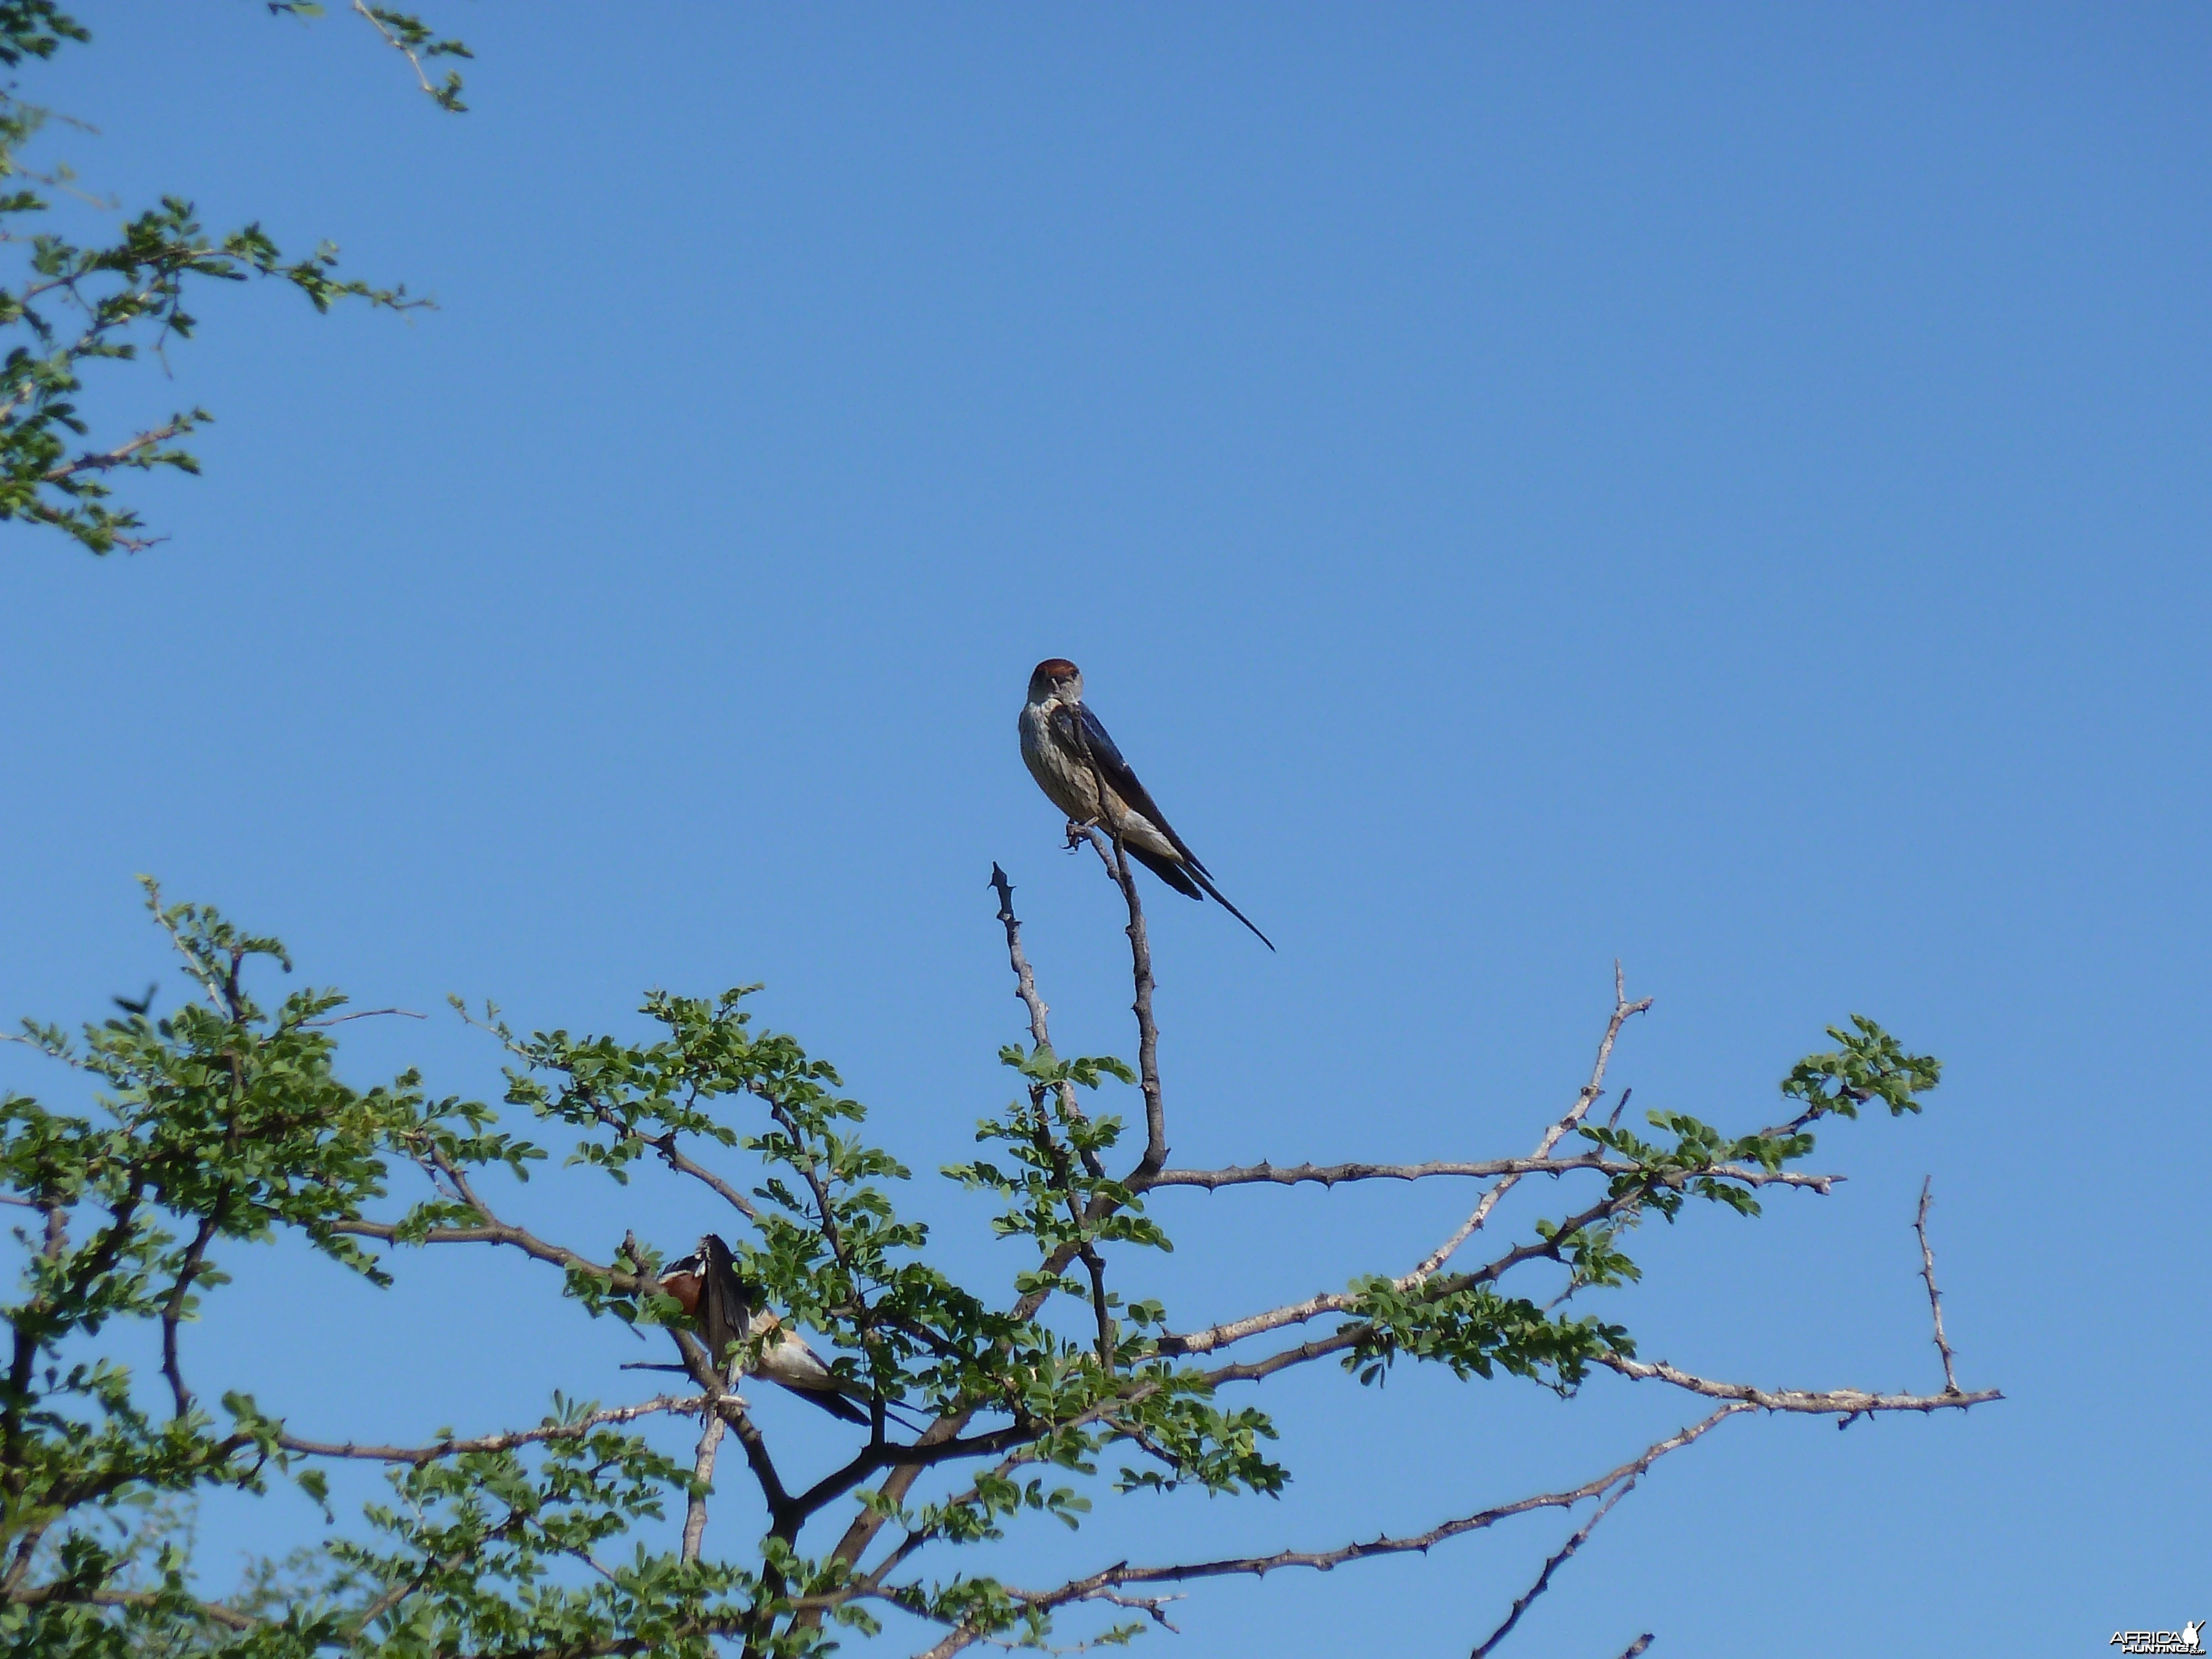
(41, 1596)
(765, 1471)
(861, 1533)
(1623, 1010)
(1841, 1402)
(494, 1231)
(1121, 1574)
(365, 1014)
(173, 1310)
(1140, 973)
(495, 1442)
(119, 456)
(1101, 1309)
(682, 1164)
(1935, 1298)
(703, 1476)
(1328, 1301)
(414, 58)
(665, 1143)
(1635, 1649)
(1024, 977)
(1329, 1175)
(1544, 1579)
(1026, 989)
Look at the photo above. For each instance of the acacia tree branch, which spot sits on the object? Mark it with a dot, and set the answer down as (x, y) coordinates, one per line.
(1313, 1307)
(1329, 1175)
(945, 1431)
(1140, 973)
(676, 1159)
(1623, 1010)
(915, 1541)
(1849, 1402)
(1846, 1403)
(43, 1595)
(496, 1442)
(492, 1231)
(25, 1553)
(1544, 1579)
(1148, 1032)
(173, 1310)
(1101, 1309)
(413, 42)
(1935, 1298)
(1843, 1403)
(360, 1013)
(1122, 1574)
(1254, 1370)
(702, 1475)
(1026, 989)
(121, 454)
(666, 1143)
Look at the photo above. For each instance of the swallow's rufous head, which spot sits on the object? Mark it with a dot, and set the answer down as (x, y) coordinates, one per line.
(1056, 678)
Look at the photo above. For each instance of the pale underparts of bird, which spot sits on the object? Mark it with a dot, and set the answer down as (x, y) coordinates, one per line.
(1081, 772)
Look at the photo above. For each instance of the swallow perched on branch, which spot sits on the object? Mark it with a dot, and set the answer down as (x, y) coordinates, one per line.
(705, 1285)
(1082, 773)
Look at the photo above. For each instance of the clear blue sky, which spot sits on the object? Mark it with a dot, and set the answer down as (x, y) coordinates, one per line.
(1726, 489)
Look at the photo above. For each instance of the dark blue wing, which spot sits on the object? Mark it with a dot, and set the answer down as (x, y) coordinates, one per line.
(1079, 729)
(724, 1318)
(1079, 732)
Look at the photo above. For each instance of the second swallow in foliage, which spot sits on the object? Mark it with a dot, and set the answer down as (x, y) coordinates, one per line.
(705, 1285)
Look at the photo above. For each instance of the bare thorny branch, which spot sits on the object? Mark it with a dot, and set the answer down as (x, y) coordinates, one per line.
(702, 1472)
(1580, 1536)
(1845, 1404)
(1615, 1482)
(507, 1441)
(1331, 1174)
(1622, 1011)
(1935, 1298)
(1510, 1172)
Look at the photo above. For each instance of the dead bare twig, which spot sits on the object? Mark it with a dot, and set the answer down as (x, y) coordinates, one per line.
(1121, 1574)
(1935, 1298)
(1331, 1174)
(1544, 1578)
